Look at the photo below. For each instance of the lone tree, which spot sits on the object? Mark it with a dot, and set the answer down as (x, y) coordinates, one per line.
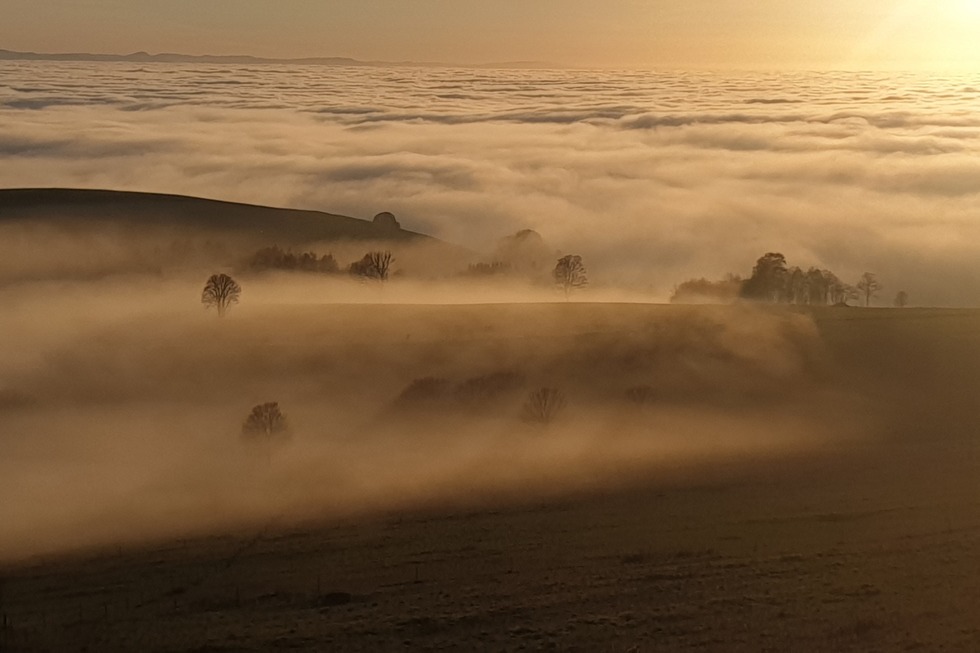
(868, 285)
(569, 274)
(265, 422)
(901, 299)
(221, 291)
(374, 265)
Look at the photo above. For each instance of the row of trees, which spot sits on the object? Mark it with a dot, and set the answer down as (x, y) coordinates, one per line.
(374, 265)
(772, 280)
(221, 291)
(523, 254)
(276, 258)
(267, 424)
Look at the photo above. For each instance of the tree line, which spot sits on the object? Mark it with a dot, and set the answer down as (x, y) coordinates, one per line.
(773, 281)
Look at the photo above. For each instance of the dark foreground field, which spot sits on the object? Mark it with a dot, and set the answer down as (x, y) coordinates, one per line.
(871, 543)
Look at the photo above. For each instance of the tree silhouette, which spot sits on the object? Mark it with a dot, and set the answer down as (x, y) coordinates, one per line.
(901, 299)
(818, 286)
(266, 421)
(374, 265)
(569, 273)
(220, 291)
(868, 286)
(275, 258)
(768, 279)
(701, 291)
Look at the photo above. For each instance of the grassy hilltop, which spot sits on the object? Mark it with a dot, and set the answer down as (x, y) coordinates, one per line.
(82, 233)
(76, 207)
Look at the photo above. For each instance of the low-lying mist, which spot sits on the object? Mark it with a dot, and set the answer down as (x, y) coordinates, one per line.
(122, 403)
(652, 177)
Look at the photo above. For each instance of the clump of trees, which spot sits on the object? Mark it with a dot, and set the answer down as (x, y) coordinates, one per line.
(220, 292)
(374, 265)
(424, 390)
(525, 253)
(901, 299)
(490, 269)
(476, 392)
(700, 291)
(276, 258)
(773, 281)
(386, 220)
(569, 274)
(543, 405)
(265, 422)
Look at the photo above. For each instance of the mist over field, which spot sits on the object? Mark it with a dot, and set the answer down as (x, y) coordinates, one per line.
(477, 423)
(653, 177)
(121, 408)
(321, 332)
(122, 404)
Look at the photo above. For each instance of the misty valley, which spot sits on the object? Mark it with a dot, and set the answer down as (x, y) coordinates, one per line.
(171, 416)
(577, 360)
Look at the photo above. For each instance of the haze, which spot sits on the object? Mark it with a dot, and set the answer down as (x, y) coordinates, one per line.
(653, 177)
(666, 335)
(837, 34)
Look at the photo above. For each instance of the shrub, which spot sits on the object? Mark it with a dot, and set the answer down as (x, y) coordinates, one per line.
(425, 389)
(265, 422)
(481, 390)
(543, 405)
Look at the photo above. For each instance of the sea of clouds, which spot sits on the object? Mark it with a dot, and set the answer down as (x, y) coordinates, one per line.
(653, 177)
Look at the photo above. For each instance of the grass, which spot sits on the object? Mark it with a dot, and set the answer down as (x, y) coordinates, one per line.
(870, 544)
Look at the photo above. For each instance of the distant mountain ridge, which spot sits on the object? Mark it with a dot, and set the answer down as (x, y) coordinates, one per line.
(171, 57)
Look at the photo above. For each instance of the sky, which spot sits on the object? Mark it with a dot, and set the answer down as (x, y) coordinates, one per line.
(693, 34)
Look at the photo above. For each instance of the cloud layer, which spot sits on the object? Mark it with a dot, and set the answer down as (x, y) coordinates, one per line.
(652, 177)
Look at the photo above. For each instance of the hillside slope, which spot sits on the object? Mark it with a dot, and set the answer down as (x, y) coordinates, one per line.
(156, 209)
(58, 233)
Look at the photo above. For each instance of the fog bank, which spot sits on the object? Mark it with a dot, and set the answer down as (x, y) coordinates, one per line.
(121, 410)
(652, 177)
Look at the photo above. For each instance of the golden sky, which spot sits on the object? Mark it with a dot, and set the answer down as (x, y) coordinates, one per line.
(749, 34)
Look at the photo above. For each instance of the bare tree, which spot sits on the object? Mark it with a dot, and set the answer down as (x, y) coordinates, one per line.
(220, 291)
(569, 273)
(381, 261)
(265, 422)
(901, 299)
(543, 405)
(868, 285)
(374, 265)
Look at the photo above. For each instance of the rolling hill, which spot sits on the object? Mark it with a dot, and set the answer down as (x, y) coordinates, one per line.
(59, 233)
(291, 226)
